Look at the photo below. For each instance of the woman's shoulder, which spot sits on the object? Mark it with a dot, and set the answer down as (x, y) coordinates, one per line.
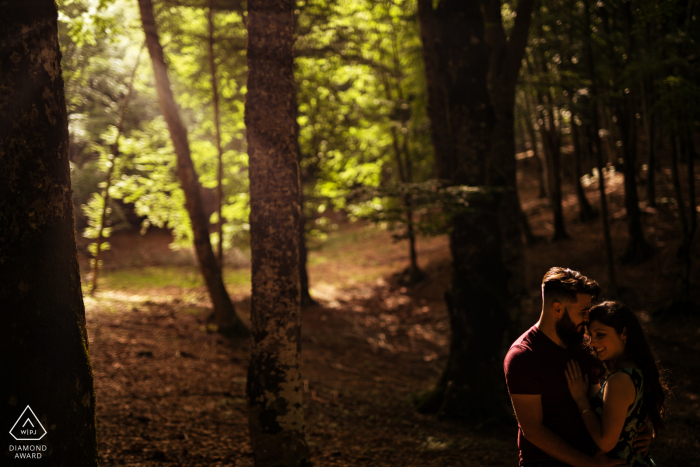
(620, 386)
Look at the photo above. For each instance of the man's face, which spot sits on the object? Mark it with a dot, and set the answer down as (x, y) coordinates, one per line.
(571, 327)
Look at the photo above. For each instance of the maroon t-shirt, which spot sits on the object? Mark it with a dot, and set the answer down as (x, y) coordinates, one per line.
(535, 364)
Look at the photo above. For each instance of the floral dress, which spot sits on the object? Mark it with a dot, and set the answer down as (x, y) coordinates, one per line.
(636, 415)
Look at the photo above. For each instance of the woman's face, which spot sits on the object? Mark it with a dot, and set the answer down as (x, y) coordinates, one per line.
(606, 341)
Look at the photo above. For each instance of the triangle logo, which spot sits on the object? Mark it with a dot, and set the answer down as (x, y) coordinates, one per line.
(27, 427)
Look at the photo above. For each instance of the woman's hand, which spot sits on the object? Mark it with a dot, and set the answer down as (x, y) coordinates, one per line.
(578, 384)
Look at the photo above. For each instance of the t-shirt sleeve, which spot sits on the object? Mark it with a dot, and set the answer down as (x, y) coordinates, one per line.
(521, 372)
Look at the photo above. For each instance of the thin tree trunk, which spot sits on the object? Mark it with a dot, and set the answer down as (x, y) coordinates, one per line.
(647, 106)
(552, 145)
(306, 298)
(692, 227)
(110, 171)
(541, 175)
(688, 223)
(584, 207)
(637, 247)
(217, 126)
(598, 146)
(413, 274)
(44, 347)
(275, 412)
(224, 313)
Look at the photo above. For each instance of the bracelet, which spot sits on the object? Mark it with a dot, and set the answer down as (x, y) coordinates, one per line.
(585, 410)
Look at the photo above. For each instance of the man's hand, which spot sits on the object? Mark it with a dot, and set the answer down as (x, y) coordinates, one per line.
(643, 439)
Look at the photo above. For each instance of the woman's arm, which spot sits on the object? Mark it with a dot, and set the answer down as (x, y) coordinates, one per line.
(619, 393)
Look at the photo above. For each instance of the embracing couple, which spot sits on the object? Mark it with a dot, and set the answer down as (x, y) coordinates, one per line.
(583, 401)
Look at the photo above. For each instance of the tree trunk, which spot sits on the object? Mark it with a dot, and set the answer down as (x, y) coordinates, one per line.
(275, 412)
(688, 224)
(217, 127)
(597, 144)
(413, 274)
(551, 140)
(110, 171)
(585, 212)
(225, 315)
(505, 61)
(306, 298)
(647, 106)
(637, 247)
(462, 117)
(541, 175)
(44, 356)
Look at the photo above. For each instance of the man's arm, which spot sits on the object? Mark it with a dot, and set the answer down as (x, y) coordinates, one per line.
(528, 409)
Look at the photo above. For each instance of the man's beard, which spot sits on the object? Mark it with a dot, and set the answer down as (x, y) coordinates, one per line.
(568, 332)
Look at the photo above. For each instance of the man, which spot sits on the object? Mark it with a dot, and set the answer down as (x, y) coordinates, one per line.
(551, 431)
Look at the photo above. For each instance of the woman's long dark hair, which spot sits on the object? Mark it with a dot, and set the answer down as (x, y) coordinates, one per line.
(618, 316)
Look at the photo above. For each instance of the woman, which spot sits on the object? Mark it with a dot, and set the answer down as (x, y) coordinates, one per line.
(632, 391)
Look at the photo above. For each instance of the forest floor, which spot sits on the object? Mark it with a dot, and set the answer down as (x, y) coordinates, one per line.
(171, 391)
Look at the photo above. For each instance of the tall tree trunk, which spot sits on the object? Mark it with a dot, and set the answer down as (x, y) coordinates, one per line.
(413, 274)
(462, 117)
(625, 110)
(541, 175)
(598, 148)
(275, 412)
(217, 127)
(506, 54)
(225, 315)
(585, 212)
(551, 140)
(637, 247)
(688, 223)
(648, 114)
(110, 171)
(306, 298)
(44, 356)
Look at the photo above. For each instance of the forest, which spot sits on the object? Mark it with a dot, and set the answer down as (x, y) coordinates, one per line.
(285, 233)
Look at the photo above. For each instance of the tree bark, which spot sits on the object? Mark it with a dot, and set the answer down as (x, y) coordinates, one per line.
(647, 112)
(306, 298)
(44, 356)
(585, 212)
(224, 314)
(551, 140)
(217, 127)
(462, 117)
(541, 175)
(505, 61)
(275, 413)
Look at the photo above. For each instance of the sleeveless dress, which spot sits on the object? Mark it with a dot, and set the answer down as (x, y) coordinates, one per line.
(636, 415)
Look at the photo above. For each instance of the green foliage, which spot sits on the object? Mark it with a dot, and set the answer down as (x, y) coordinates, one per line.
(360, 94)
(435, 203)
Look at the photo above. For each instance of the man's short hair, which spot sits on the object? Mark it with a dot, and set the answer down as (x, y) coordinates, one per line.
(560, 283)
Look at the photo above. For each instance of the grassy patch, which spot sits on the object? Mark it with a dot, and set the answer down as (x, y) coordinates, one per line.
(165, 276)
